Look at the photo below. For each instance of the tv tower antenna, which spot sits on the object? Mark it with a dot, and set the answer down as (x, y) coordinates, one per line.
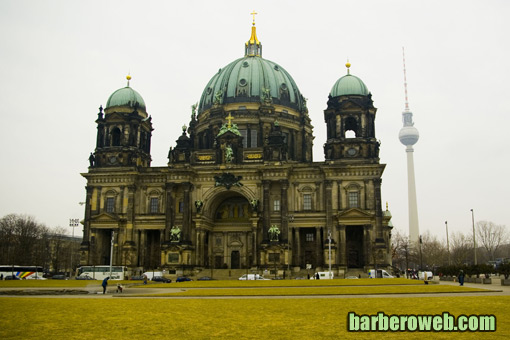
(405, 78)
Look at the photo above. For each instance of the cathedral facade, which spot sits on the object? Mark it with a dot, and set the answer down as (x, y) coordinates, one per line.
(241, 190)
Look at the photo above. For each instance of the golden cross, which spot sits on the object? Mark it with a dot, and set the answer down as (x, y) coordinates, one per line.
(229, 118)
(253, 13)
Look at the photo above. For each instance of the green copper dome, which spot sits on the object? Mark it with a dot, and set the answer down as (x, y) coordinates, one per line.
(125, 96)
(252, 79)
(349, 85)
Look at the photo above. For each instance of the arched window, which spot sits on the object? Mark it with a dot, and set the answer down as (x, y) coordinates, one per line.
(351, 127)
(116, 137)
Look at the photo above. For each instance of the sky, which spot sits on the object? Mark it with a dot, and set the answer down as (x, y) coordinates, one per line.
(61, 60)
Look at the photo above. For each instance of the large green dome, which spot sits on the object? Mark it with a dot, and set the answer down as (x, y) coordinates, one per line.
(126, 96)
(349, 85)
(248, 79)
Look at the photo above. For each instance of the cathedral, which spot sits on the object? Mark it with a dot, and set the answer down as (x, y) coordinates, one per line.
(241, 189)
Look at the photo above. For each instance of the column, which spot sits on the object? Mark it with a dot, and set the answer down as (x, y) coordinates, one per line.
(320, 247)
(186, 214)
(342, 246)
(169, 210)
(378, 208)
(284, 211)
(266, 214)
(297, 253)
(339, 193)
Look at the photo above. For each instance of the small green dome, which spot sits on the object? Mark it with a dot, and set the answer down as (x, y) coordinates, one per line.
(250, 79)
(126, 96)
(349, 85)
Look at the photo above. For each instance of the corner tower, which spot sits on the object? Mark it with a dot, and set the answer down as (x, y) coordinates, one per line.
(123, 132)
(350, 120)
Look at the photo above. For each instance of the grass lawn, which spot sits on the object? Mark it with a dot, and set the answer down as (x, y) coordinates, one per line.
(272, 318)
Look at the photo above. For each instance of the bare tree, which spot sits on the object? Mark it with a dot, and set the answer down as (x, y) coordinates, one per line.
(434, 251)
(461, 248)
(20, 236)
(491, 236)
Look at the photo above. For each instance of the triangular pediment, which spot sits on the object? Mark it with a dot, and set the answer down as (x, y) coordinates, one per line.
(354, 213)
(104, 217)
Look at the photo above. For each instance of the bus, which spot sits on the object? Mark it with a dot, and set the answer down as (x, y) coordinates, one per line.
(102, 272)
(22, 272)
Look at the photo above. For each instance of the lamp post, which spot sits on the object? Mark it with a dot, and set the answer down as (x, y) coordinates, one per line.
(474, 239)
(329, 238)
(447, 243)
(111, 253)
(290, 219)
(421, 256)
(73, 223)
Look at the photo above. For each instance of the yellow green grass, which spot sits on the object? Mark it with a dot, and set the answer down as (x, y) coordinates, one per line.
(288, 318)
(299, 291)
(286, 283)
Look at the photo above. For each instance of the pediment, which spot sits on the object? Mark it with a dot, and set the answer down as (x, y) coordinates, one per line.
(104, 217)
(354, 213)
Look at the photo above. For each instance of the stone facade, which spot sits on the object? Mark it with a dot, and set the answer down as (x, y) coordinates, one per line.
(241, 189)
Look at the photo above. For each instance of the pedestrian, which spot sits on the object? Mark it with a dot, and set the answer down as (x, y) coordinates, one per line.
(104, 284)
(145, 279)
(461, 277)
(119, 288)
(317, 276)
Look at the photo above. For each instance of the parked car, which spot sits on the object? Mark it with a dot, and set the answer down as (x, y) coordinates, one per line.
(351, 277)
(84, 277)
(277, 278)
(183, 279)
(11, 277)
(161, 279)
(59, 277)
(205, 278)
(252, 277)
(137, 277)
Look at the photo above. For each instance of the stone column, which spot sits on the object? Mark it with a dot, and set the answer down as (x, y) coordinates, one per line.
(169, 210)
(266, 213)
(342, 246)
(328, 205)
(284, 211)
(297, 253)
(186, 214)
(320, 246)
(378, 208)
(339, 193)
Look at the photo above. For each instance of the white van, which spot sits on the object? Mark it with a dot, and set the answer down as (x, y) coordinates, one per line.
(426, 276)
(246, 277)
(150, 275)
(379, 274)
(322, 276)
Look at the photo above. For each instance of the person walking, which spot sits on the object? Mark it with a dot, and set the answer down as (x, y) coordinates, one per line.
(104, 284)
(461, 277)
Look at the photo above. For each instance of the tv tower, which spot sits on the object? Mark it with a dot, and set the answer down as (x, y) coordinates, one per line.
(408, 136)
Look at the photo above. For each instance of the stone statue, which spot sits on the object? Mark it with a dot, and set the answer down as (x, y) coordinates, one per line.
(266, 96)
(254, 204)
(229, 153)
(198, 205)
(217, 97)
(92, 159)
(274, 233)
(194, 111)
(175, 234)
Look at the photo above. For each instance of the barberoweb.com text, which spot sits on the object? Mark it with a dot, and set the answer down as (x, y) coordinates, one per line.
(444, 322)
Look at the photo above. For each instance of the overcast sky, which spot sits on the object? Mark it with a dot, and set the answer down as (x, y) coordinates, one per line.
(60, 60)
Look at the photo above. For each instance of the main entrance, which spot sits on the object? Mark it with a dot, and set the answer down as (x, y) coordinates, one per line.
(354, 246)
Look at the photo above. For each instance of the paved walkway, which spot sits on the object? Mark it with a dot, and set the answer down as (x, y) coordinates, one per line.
(96, 292)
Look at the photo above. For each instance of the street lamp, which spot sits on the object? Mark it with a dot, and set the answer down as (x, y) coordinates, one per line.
(421, 256)
(447, 243)
(111, 254)
(73, 223)
(474, 239)
(329, 238)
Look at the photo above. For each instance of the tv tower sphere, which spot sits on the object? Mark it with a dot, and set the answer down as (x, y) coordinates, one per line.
(408, 135)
